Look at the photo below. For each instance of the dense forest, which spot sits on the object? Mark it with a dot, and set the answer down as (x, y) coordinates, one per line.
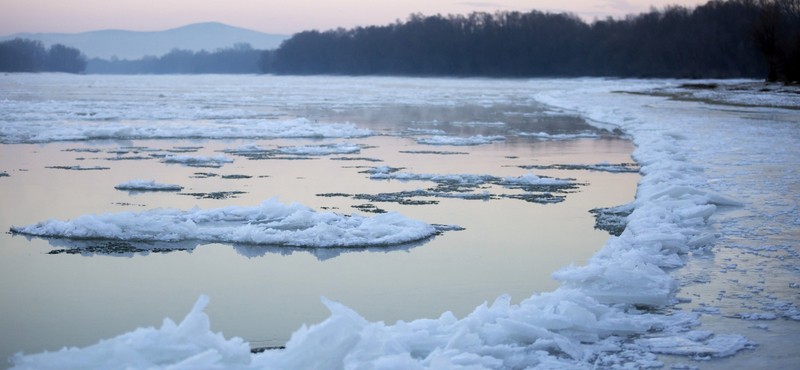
(241, 58)
(22, 55)
(720, 39)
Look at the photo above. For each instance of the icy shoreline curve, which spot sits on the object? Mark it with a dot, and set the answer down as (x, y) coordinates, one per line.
(270, 223)
(589, 322)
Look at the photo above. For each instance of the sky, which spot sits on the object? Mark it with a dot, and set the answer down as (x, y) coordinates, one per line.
(275, 16)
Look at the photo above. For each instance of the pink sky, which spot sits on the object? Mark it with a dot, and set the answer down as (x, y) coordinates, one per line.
(272, 16)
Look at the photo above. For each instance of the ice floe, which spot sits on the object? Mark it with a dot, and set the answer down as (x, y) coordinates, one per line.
(79, 168)
(321, 150)
(602, 167)
(546, 136)
(270, 223)
(479, 123)
(43, 132)
(198, 161)
(252, 151)
(141, 185)
(460, 141)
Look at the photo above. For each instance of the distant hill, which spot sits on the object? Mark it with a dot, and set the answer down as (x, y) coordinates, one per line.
(134, 44)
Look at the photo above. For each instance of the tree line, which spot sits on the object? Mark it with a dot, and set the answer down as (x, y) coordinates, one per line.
(241, 58)
(720, 39)
(23, 55)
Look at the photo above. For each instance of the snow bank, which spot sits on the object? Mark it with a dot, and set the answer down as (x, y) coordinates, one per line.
(472, 140)
(151, 185)
(50, 131)
(271, 223)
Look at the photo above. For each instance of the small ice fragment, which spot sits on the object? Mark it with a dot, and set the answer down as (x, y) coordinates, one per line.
(151, 185)
(707, 310)
(752, 316)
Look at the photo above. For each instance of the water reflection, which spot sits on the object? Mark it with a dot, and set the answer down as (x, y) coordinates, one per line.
(90, 248)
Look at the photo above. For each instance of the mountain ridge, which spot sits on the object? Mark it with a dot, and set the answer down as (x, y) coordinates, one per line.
(125, 44)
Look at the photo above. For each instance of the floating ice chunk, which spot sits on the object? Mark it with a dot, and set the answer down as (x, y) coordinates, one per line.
(756, 316)
(247, 148)
(477, 123)
(707, 310)
(531, 179)
(321, 150)
(271, 223)
(151, 185)
(472, 140)
(188, 345)
(546, 136)
(602, 166)
(424, 131)
(79, 168)
(198, 161)
(721, 345)
(43, 132)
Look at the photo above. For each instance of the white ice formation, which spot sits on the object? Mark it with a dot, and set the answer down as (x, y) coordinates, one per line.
(141, 185)
(460, 141)
(270, 223)
(50, 131)
(594, 320)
